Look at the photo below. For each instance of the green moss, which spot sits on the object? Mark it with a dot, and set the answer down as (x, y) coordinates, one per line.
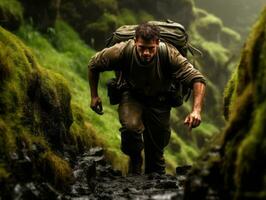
(204, 132)
(216, 51)
(250, 169)
(230, 95)
(30, 97)
(179, 152)
(56, 169)
(244, 140)
(210, 20)
(11, 13)
(5, 65)
(143, 16)
(126, 17)
(104, 24)
(251, 152)
(4, 174)
(13, 6)
(7, 140)
(111, 5)
(200, 13)
(88, 129)
(209, 26)
(230, 35)
(119, 161)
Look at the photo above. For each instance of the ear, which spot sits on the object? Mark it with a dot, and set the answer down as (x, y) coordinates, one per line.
(157, 41)
(135, 40)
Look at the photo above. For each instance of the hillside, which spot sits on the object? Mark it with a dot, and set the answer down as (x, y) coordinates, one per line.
(45, 120)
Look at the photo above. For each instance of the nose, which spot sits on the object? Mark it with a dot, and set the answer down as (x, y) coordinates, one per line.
(146, 52)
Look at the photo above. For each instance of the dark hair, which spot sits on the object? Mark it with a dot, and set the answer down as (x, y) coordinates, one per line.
(147, 32)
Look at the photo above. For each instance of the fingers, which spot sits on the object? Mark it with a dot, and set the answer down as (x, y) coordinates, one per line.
(96, 106)
(188, 121)
(98, 109)
(196, 122)
(192, 121)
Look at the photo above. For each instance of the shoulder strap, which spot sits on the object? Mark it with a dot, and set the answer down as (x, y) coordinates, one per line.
(127, 55)
(163, 56)
(128, 51)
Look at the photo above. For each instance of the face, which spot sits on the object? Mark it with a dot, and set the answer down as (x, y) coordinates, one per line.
(146, 49)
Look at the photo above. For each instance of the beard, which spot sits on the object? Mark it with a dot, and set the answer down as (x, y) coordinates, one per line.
(146, 60)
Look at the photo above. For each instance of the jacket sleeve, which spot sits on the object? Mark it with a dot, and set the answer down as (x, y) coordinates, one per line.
(182, 70)
(108, 59)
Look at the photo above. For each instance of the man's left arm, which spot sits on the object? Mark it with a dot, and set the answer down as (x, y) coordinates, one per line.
(194, 118)
(184, 72)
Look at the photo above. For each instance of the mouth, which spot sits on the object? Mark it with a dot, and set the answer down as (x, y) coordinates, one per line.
(147, 58)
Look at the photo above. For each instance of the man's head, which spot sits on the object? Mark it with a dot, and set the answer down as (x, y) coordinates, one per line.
(147, 41)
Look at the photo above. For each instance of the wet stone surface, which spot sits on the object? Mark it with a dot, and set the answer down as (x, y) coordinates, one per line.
(95, 179)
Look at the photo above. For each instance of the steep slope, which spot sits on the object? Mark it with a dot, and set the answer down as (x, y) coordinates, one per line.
(35, 117)
(44, 120)
(234, 166)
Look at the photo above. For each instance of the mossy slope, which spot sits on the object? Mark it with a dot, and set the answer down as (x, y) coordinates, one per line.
(244, 142)
(237, 169)
(39, 126)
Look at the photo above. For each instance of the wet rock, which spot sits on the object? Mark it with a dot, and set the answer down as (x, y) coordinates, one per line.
(34, 191)
(181, 180)
(168, 196)
(21, 165)
(89, 169)
(23, 170)
(49, 192)
(96, 179)
(167, 184)
(183, 170)
(152, 186)
(96, 151)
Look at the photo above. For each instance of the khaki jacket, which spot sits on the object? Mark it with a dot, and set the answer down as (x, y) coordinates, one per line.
(150, 79)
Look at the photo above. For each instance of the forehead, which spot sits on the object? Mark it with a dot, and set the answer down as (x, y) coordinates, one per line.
(141, 42)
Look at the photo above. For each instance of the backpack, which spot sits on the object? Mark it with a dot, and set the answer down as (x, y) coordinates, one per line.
(170, 32)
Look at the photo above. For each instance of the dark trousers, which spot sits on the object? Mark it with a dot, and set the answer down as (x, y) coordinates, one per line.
(145, 124)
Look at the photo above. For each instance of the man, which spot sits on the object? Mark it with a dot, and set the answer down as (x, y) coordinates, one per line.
(143, 111)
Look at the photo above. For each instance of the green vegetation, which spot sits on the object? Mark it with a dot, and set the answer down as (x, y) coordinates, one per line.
(11, 14)
(63, 52)
(241, 167)
(12, 6)
(56, 169)
(22, 112)
(236, 16)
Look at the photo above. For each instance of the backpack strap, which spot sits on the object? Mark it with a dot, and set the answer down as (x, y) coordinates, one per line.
(164, 61)
(128, 52)
(163, 56)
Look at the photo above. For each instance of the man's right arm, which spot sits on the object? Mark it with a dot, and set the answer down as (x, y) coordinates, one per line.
(105, 60)
(96, 103)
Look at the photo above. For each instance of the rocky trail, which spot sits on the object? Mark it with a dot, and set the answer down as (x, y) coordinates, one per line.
(97, 180)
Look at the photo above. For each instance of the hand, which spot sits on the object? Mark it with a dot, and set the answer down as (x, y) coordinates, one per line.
(96, 105)
(193, 120)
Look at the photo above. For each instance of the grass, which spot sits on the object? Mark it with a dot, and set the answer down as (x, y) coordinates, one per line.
(63, 59)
